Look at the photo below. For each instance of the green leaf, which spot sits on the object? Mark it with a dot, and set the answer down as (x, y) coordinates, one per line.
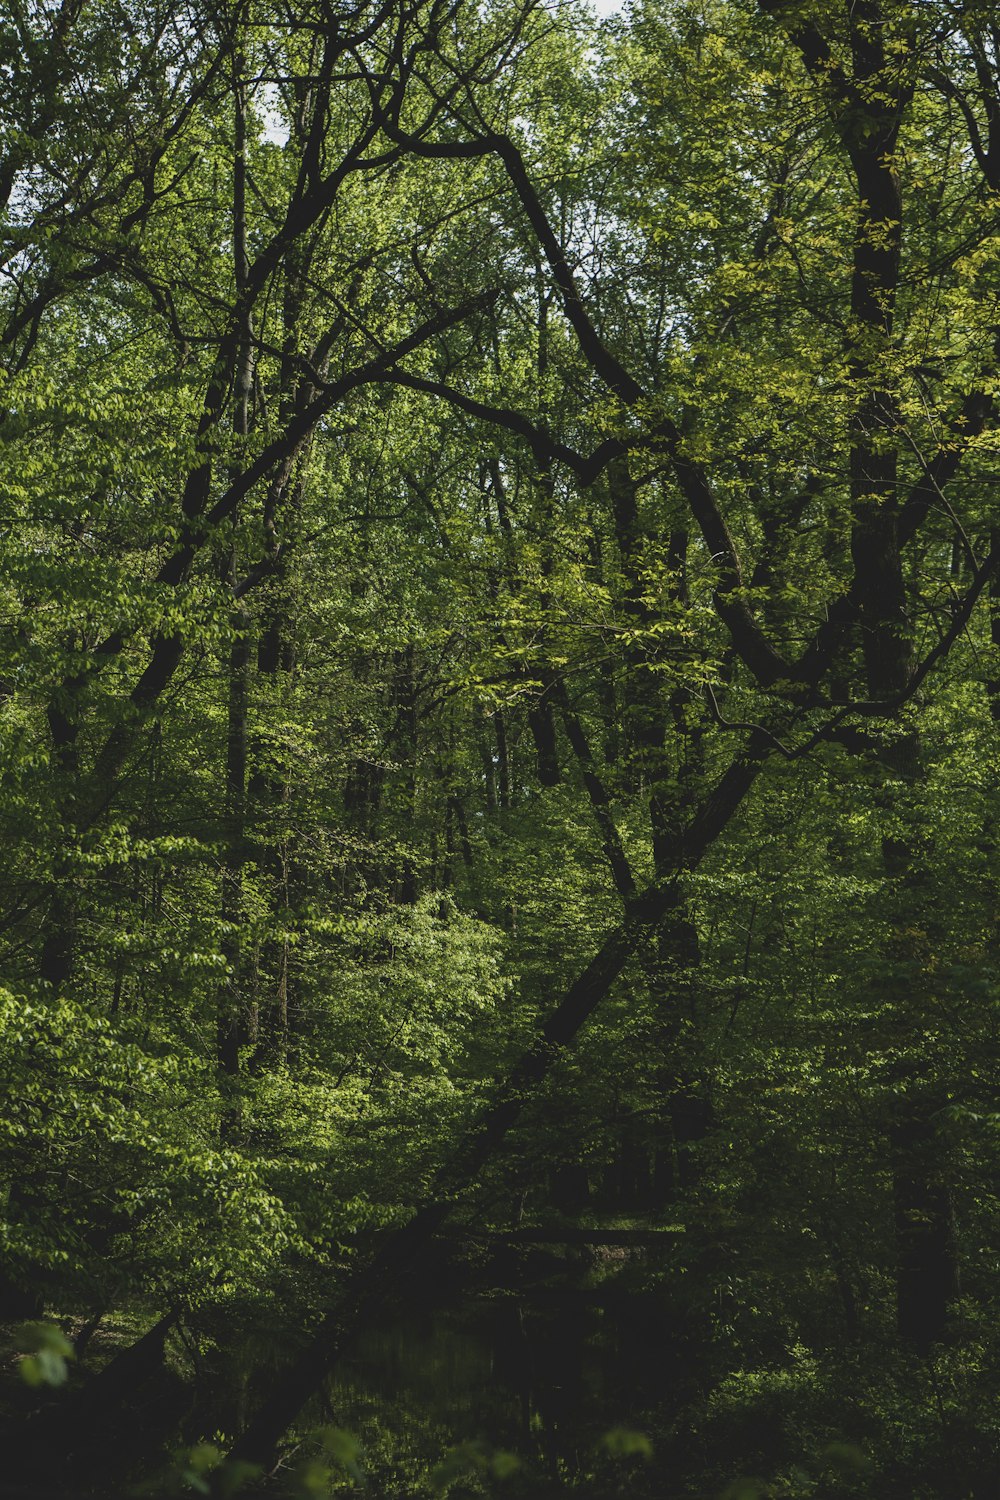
(343, 1447)
(50, 1349)
(625, 1442)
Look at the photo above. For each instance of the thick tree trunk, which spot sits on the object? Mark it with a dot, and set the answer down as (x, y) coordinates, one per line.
(543, 731)
(926, 1272)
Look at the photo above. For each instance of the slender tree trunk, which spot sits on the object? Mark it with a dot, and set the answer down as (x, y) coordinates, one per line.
(232, 1022)
(232, 1018)
(407, 731)
(503, 776)
(59, 931)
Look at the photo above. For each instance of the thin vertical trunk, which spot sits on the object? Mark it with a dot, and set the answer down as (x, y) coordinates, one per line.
(268, 788)
(488, 763)
(993, 686)
(541, 720)
(503, 777)
(58, 952)
(232, 1020)
(406, 711)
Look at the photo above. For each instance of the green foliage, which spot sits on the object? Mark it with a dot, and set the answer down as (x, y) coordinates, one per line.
(622, 1442)
(108, 1160)
(48, 1351)
(471, 1458)
(482, 488)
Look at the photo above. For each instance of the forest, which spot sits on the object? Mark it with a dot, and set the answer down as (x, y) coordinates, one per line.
(499, 734)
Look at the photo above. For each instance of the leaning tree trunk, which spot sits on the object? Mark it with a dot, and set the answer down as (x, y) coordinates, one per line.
(402, 1252)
